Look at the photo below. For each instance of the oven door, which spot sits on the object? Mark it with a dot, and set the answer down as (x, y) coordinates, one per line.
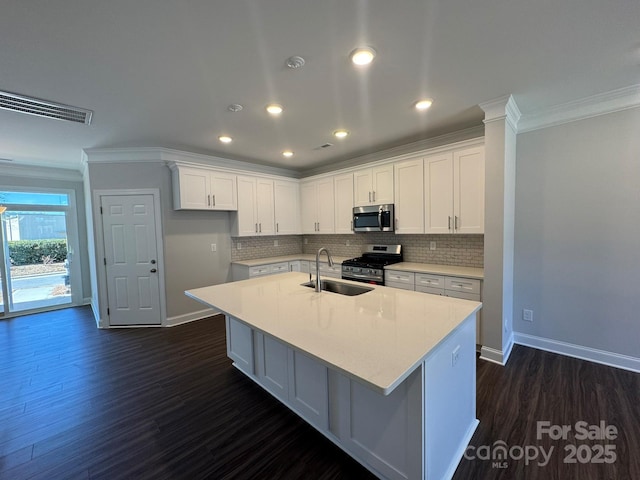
(355, 274)
(374, 218)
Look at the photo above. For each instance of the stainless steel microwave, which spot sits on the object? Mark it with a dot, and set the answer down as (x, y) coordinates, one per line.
(373, 218)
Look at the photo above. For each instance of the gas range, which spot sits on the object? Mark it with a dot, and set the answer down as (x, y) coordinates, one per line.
(369, 268)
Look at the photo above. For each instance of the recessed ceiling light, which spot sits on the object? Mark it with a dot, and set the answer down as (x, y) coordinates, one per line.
(274, 109)
(362, 56)
(340, 133)
(287, 153)
(424, 104)
(225, 138)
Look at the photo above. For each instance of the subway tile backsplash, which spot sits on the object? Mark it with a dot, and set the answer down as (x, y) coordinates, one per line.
(461, 250)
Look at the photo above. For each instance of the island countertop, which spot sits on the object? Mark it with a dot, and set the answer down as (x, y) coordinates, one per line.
(377, 338)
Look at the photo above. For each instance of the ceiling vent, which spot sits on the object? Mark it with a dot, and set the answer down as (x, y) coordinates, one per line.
(44, 108)
(324, 145)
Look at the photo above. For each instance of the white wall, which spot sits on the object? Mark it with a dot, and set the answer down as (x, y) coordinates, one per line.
(577, 233)
(187, 235)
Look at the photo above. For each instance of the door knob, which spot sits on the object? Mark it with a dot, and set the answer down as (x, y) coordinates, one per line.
(153, 270)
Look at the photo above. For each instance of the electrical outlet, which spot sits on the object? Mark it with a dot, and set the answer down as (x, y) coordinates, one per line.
(527, 315)
(347, 243)
(455, 355)
(306, 240)
(275, 243)
(238, 246)
(214, 247)
(432, 245)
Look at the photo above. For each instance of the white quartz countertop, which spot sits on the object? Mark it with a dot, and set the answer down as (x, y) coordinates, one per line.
(377, 338)
(452, 270)
(288, 258)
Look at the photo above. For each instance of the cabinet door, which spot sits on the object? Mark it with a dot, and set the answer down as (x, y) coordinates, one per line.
(272, 365)
(295, 266)
(287, 208)
(223, 191)
(246, 221)
(308, 391)
(326, 206)
(382, 184)
(343, 186)
(240, 345)
(468, 174)
(362, 191)
(438, 193)
(191, 189)
(265, 214)
(308, 207)
(409, 200)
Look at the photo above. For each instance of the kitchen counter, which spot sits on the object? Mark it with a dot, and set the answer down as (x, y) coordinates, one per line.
(377, 338)
(389, 376)
(288, 258)
(451, 270)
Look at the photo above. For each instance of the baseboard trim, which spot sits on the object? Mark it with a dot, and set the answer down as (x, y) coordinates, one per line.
(507, 349)
(492, 355)
(603, 357)
(190, 317)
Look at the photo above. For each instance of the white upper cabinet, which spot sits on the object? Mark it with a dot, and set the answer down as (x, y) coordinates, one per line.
(373, 186)
(203, 189)
(343, 188)
(468, 190)
(454, 191)
(317, 206)
(256, 211)
(287, 207)
(409, 200)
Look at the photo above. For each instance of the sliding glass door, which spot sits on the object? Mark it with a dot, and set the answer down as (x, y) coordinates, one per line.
(37, 237)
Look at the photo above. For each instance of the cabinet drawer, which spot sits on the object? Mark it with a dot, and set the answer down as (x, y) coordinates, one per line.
(463, 295)
(403, 286)
(431, 290)
(395, 276)
(335, 270)
(467, 285)
(279, 267)
(430, 281)
(259, 270)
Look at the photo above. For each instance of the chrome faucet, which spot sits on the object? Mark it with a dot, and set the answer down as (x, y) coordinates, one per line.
(318, 287)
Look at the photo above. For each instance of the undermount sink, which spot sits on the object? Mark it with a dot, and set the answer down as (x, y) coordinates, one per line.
(339, 287)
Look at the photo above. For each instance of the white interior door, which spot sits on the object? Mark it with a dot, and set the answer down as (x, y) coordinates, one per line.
(131, 259)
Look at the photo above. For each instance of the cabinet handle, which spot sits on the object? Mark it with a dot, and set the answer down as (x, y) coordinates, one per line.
(277, 227)
(374, 195)
(256, 228)
(214, 200)
(352, 225)
(318, 226)
(456, 222)
(449, 222)
(260, 226)
(208, 200)
(369, 197)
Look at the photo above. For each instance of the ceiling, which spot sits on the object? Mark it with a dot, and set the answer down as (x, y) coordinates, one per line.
(163, 72)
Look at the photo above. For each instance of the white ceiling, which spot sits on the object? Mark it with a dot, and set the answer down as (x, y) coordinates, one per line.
(162, 72)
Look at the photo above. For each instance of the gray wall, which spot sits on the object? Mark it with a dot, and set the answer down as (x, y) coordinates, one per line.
(188, 235)
(577, 233)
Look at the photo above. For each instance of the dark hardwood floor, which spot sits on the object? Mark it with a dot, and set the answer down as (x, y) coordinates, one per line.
(78, 402)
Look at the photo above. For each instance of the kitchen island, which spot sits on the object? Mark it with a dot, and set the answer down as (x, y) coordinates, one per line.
(389, 375)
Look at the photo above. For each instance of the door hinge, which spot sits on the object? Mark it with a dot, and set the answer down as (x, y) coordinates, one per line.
(100, 210)
(105, 261)
(108, 312)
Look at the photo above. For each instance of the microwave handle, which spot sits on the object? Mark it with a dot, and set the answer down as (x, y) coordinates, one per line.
(380, 218)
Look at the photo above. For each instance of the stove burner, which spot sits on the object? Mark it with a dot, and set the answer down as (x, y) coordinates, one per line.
(369, 268)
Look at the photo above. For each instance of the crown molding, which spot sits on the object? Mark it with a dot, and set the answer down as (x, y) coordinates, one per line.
(27, 171)
(502, 108)
(593, 106)
(168, 155)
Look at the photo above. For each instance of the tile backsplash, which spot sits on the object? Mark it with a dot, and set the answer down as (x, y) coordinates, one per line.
(260, 247)
(461, 250)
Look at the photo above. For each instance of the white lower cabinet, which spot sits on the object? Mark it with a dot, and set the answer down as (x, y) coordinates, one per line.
(398, 279)
(417, 431)
(244, 272)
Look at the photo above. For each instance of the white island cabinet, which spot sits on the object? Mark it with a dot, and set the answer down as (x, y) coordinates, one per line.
(388, 376)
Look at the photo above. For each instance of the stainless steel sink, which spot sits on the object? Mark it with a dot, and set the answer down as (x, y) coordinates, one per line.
(339, 287)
